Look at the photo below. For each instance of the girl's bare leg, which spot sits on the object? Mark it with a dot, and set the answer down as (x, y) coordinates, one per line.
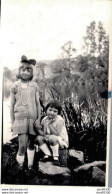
(23, 139)
(43, 146)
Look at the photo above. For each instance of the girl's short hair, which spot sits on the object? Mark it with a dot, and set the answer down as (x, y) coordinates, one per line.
(54, 104)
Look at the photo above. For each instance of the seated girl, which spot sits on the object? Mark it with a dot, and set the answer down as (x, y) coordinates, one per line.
(53, 132)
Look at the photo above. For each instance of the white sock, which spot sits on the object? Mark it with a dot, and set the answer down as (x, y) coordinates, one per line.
(20, 159)
(36, 148)
(55, 150)
(30, 155)
(55, 157)
(45, 149)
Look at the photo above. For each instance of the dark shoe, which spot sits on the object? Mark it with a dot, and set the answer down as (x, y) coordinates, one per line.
(20, 173)
(46, 158)
(20, 167)
(30, 171)
(56, 162)
(63, 165)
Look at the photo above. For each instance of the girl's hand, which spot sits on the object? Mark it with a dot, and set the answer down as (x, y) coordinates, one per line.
(11, 129)
(51, 121)
(37, 124)
(46, 137)
(46, 124)
(12, 120)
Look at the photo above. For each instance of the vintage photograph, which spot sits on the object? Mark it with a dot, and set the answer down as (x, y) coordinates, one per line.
(55, 61)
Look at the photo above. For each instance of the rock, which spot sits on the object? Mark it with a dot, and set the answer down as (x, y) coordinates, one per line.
(49, 169)
(76, 158)
(86, 174)
(54, 175)
(86, 167)
(63, 156)
(5, 160)
(98, 176)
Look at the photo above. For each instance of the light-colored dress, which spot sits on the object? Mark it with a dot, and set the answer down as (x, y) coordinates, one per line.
(63, 137)
(25, 108)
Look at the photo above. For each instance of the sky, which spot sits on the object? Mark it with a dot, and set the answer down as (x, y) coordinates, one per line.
(39, 28)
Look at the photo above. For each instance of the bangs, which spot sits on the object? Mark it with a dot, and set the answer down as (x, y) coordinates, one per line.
(26, 66)
(54, 104)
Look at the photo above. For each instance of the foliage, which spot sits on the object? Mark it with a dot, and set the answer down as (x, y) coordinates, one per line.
(79, 82)
(87, 130)
(89, 39)
(7, 81)
(7, 73)
(96, 41)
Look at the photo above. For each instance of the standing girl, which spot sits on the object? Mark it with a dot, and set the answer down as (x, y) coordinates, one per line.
(25, 111)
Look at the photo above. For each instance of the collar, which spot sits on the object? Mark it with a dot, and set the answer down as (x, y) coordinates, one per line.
(30, 83)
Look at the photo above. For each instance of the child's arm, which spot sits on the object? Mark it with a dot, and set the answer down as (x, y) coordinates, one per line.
(37, 122)
(12, 102)
(56, 130)
(41, 130)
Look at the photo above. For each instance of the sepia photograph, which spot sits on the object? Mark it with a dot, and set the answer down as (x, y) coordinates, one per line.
(55, 59)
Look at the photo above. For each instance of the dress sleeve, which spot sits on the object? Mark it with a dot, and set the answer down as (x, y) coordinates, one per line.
(36, 87)
(13, 88)
(60, 120)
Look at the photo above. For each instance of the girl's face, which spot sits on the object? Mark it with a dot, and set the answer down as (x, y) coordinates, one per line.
(26, 72)
(52, 112)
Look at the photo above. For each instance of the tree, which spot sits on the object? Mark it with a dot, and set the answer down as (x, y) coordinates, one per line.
(96, 47)
(96, 41)
(68, 52)
(102, 39)
(82, 63)
(90, 39)
(62, 70)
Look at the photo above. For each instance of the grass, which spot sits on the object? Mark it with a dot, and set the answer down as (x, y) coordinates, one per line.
(87, 128)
